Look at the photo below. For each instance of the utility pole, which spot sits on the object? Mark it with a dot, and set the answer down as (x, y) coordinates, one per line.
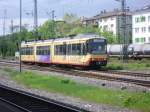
(20, 36)
(124, 36)
(12, 26)
(53, 24)
(4, 22)
(124, 31)
(35, 19)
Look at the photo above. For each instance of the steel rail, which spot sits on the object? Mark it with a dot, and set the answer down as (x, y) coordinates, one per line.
(126, 73)
(32, 103)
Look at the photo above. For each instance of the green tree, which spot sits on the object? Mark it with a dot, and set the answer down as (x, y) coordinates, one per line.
(70, 17)
(47, 30)
(109, 36)
(3, 47)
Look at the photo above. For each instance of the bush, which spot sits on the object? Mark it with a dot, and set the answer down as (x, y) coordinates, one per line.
(147, 65)
(114, 67)
(65, 81)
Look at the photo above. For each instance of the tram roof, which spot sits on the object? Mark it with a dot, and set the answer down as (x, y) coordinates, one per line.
(77, 37)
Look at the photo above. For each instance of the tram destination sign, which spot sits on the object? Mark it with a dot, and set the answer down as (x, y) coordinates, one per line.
(98, 40)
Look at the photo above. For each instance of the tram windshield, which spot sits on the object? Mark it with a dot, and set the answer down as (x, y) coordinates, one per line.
(97, 46)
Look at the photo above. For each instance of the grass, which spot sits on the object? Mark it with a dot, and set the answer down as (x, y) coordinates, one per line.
(115, 64)
(138, 101)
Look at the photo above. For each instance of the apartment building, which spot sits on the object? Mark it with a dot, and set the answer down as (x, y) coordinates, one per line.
(111, 22)
(141, 26)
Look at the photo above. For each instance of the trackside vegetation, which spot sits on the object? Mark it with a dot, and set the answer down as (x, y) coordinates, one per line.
(70, 25)
(55, 84)
(115, 64)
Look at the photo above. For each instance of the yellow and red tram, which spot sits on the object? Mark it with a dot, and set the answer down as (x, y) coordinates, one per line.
(81, 50)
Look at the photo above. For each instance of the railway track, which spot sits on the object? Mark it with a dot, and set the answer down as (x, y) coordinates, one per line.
(128, 73)
(26, 102)
(104, 75)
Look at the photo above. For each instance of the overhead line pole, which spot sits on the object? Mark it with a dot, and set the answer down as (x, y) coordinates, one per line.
(4, 22)
(12, 26)
(35, 19)
(20, 67)
(124, 38)
(124, 31)
(53, 19)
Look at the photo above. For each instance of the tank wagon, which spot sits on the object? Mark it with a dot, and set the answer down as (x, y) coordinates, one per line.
(136, 51)
(81, 50)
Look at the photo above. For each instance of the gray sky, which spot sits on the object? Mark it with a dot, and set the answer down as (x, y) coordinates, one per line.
(80, 7)
(85, 8)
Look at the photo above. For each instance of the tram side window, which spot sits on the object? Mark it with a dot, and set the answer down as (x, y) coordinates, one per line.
(23, 52)
(60, 50)
(43, 50)
(27, 51)
(70, 49)
(83, 49)
(76, 49)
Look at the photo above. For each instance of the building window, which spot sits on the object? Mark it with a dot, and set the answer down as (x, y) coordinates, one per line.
(100, 20)
(105, 28)
(140, 19)
(143, 39)
(100, 27)
(143, 19)
(143, 29)
(148, 18)
(149, 28)
(112, 18)
(105, 20)
(136, 30)
(136, 20)
(112, 25)
(137, 40)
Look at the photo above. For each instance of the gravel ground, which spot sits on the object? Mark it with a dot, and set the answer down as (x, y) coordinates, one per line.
(5, 80)
(101, 83)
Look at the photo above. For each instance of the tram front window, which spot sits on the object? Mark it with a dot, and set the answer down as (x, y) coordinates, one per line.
(97, 47)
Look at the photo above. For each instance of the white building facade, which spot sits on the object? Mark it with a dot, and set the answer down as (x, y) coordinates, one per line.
(141, 26)
(108, 24)
(111, 22)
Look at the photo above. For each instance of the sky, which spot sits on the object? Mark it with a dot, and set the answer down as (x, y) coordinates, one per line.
(80, 7)
(85, 8)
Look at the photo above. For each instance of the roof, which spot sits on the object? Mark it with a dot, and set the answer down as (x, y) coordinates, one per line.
(142, 10)
(105, 14)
